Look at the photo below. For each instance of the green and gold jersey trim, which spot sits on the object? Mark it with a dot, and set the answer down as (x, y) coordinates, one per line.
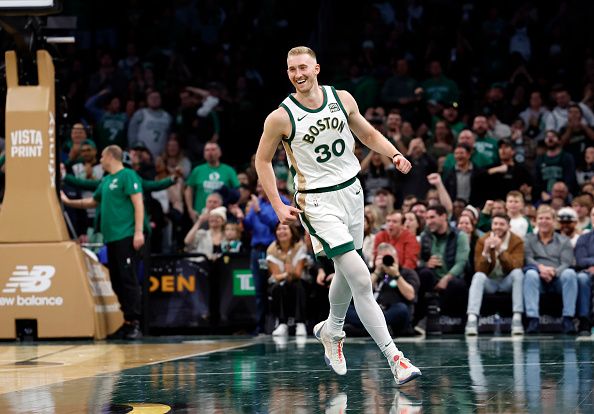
(313, 111)
(329, 251)
(293, 129)
(329, 188)
(339, 102)
(294, 168)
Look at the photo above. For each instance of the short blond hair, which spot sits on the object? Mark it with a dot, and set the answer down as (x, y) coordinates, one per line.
(546, 209)
(515, 194)
(301, 50)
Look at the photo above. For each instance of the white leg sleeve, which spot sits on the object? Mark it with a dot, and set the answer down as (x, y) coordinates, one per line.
(340, 298)
(355, 271)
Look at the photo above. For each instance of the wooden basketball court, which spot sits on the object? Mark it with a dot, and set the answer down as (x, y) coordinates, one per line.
(271, 375)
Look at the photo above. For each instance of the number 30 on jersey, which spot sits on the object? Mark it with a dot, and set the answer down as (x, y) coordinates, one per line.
(325, 152)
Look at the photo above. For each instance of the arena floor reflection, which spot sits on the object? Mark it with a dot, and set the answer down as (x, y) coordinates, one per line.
(265, 375)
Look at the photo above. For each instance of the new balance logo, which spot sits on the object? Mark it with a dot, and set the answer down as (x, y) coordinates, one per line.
(35, 280)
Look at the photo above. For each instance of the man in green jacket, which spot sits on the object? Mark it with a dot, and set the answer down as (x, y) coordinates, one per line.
(119, 197)
(444, 253)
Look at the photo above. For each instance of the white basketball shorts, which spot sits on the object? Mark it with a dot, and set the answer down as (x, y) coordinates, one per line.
(334, 217)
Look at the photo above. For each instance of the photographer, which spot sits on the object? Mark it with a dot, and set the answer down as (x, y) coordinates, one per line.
(395, 290)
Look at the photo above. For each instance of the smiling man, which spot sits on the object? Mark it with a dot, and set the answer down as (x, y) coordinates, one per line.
(314, 125)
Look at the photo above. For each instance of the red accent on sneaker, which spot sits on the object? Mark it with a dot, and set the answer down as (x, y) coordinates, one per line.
(340, 350)
(396, 358)
(403, 365)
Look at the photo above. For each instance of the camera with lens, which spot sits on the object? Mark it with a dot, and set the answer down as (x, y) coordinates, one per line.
(388, 260)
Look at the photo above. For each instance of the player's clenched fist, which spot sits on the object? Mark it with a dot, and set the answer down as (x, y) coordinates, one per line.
(402, 164)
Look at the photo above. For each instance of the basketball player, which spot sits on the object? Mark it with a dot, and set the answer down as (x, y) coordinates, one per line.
(314, 125)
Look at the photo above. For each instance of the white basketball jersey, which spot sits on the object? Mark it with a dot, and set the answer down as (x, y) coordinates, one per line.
(321, 147)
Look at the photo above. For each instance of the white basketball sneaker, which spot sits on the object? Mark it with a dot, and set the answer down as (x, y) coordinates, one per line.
(281, 330)
(333, 354)
(403, 370)
(300, 330)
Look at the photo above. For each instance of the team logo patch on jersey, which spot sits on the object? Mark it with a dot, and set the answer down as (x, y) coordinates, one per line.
(334, 107)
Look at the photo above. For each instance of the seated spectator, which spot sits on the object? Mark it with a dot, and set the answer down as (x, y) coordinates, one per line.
(507, 175)
(370, 213)
(415, 182)
(71, 151)
(537, 118)
(110, 120)
(477, 158)
(552, 166)
(462, 181)
(377, 172)
(207, 178)
(393, 131)
(490, 208)
(584, 264)
(468, 226)
(413, 224)
(559, 192)
(458, 206)
(485, 144)
(439, 87)
(88, 168)
(232, 241)
(530, 214)
(442, 142)
(549, 256)
(514, 205)
(585, 171)
(174, 158)
(498, 261)
(577, 135)
(523, 146)
(396, 291)
(383, 204)
(420, 210)
(142, 160)
(444, 253)
(582, 206)
(408, 202)
(150, 125)
(172, 206)
(213, 201)
(450, 114)
(497, 129)
(399, 89)
(568, 219)
(260, 220)
(403, 241)
(287, 257)
(561, 111)
(208, 242)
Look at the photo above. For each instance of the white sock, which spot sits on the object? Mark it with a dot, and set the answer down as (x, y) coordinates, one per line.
(471, 317)
(352, 266)
(340, 299)
(389, 351)
(517, 316)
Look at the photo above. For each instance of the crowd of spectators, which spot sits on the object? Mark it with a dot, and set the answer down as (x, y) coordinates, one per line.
(492, 104)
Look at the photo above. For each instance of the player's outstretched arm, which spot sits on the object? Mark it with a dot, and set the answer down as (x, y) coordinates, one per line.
(370, 136)
(276, 126)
